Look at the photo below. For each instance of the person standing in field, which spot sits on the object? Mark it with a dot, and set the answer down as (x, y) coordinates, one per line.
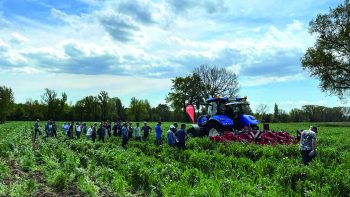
(37, 129)
(171, 138)
(89, 133)
(130, 129)
(125, 134)
(70, 130)
(175, 125)
(159, 133)
(54, 129)
(308, 145)
(137, 132)
(182, 136)
(101, 133)
(63, 128)
(146, 130)
(78, 130)
(109, 128)
(84, 128)
(48, 127)
(93, 135)
(115, 129)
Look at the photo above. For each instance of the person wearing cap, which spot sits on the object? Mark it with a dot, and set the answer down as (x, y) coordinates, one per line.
(137, 132)
(308, 145)
(159, 132)
(181, 136)
(171, 138)
(146, 130)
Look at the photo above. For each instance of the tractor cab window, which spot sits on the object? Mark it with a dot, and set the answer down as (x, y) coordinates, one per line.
(212, 109)
(236, 108)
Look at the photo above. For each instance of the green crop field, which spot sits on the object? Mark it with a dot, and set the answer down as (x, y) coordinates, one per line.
(62, 167)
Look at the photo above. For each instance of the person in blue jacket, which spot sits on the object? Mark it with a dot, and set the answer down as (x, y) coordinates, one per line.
(158, 134)
(181, 136)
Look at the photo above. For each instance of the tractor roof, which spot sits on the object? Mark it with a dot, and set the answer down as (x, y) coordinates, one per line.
(225, 99)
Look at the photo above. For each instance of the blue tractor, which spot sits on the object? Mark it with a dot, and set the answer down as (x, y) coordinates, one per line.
(224, 114)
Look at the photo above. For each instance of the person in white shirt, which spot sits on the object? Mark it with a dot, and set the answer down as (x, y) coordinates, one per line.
(78, 130)
(89, 133)
(64, 128)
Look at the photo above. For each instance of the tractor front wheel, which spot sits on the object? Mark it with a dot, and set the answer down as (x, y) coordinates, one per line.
(213, 129)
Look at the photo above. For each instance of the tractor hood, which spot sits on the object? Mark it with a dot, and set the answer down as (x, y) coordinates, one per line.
(223, 120)
(249, 120)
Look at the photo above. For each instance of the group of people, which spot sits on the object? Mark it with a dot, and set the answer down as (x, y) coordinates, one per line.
(105, 130)
(175, 137)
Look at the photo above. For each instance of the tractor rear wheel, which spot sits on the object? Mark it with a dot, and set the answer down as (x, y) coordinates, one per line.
(213, 129)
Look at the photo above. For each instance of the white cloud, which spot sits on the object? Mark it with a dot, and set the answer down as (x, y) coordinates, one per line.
(261, 81)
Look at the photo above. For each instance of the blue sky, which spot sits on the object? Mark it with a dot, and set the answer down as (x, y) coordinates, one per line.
(135, 48)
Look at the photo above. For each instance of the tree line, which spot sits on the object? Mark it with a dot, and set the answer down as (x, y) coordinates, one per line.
(307, 113)
(104, 107)
(90, 108)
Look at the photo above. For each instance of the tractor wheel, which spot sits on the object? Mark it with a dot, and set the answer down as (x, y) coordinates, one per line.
(213, 129)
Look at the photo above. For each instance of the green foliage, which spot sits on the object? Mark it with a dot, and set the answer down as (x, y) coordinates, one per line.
(58, 179)
(87, 186)
(205, 168)
(6, 102)
(23, 188)
(137, 110)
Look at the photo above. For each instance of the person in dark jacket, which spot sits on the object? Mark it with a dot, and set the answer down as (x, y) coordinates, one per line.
(181, 136)
(101, 133)
(115, 129)
(37, 129)
(54, 129)
(94, 133)
(131, 130)
(125, 134)
(48, 127)
(70, 130)
(146, 130)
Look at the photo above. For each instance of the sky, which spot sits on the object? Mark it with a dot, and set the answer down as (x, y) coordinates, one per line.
(134, 48)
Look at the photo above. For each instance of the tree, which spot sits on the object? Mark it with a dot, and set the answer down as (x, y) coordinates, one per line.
(297, 115)
(137, 110)
(185, 90)
(162, 113)
(120, 109)
(329, 58)
(217, 81)
(49, 98)
(6, 102)
(276, 114)
(104, 98)
(261, 111)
